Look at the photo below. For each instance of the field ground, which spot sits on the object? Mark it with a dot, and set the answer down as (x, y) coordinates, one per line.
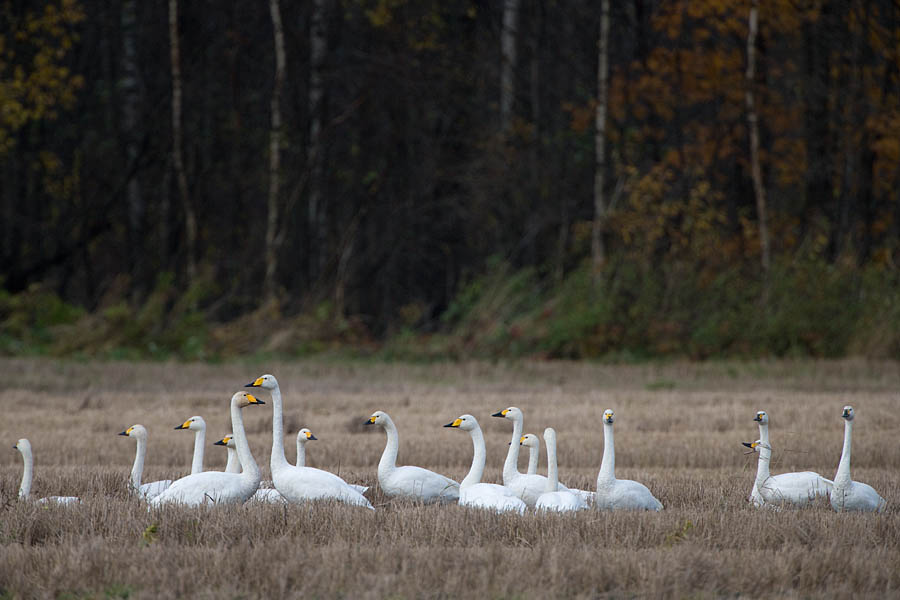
(679, 428)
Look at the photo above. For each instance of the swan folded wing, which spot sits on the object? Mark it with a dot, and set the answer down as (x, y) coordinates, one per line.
(795, 488)
(421, 484)
(528, 487)
(213, 487)
(362, 489)
(299, 484)
(154, 488)
(625, 494)
(269, 495)
(857, 496)
(560, 501)
(490, 496)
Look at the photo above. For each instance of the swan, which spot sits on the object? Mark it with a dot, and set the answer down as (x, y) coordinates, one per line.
(232, 464)
(147, 490)
(198, 426)
(533, 443)
(762, 417)
(408, 481)
(305, 435)
(553, 498)
(298, 484)
(215, 486)
(797, 489)
(846, 493)
(24, 447)
(483, 495)
(619, 494)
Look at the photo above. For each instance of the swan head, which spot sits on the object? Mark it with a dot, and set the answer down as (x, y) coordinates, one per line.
(464, 422)
(512, 413)
(762, 417)
(136, 431)
(23, 446)
(550, 435)
(195, 423)
(848, 413)
(243, 399)
(228, 441)
(757, 445)
(379, 417)
(609, 417)
(305, 435)
(529, 440)
(267, 382)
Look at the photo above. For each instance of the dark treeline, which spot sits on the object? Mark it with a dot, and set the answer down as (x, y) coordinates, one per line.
(403, 150)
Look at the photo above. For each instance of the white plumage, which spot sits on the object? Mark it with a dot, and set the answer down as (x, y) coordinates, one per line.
(24, 447)
(152, 489)
(619, 494)
(198, 426)
(849, 495)
(786, 489)
(553, 498)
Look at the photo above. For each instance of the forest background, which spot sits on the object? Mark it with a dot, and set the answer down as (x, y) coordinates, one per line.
(577, 179)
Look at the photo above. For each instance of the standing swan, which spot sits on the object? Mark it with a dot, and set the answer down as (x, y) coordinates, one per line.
(147, 490)
(215, 486)
(619, 494)
(554, 498)
(846, 493)
(533, 443)
(408, 481)
(232, 464)
(24, 447)
(298, 484)
(198, 426)
(797, 489)
(763, 419)
(472, 492)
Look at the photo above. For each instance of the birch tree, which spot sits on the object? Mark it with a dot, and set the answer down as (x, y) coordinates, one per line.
(598, 251)
(753, 126)
(273, 239)
(508, 61)
(318, 43)
(129, 83)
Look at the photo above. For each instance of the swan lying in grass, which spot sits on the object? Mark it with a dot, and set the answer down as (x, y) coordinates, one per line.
(233, 463)
(533, 443)
(847, 495)
(408, 481)
(198, 426)
(472, 492)
(147, 490)
(217, 487)
(553, 498)
(24, 447)
(762, 417)
(300, 484)
(304, 436)
(786, 489)
(619, 494)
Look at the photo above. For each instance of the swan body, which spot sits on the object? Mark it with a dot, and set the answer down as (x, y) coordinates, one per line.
(849, 495)
(198, 426)
(472, 492)
(233, 463)
(619, 494)
(786, 489)
(24, 448)
(301, 484)
(304, 436)
(762, 417)
(533, 443)
(217, 487)
(147, 490)
(553, 498)
(408, 481)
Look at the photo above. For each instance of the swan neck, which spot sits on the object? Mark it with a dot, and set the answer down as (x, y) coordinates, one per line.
(278, 460)
(301, 453)
(764, 432)
(476, 471)
(388, 460)
(137, 469)
(533, 455)
(511, 465)
(250, 470)
(843, 470)
(608, 465)
(233, 465)
(552, 467)
(762, 465)
(199, 443)
(27, 474)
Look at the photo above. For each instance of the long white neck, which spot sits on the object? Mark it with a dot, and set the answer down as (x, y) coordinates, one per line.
(764, 432)
(388, 460)
(199, 443)
(533, 456)
(278, 460)
(137, 469)
(233, 465)
(843, 471)
(301, 453)
(250, 468)
(478, 458)
(608, 464)
(27, 474)
(511, 465)
(552, 468)
(762, 465)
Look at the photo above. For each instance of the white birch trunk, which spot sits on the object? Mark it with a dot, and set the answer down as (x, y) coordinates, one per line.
(598, 251)
(272, 237)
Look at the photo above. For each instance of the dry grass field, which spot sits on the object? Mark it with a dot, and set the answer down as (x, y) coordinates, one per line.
(679, 428)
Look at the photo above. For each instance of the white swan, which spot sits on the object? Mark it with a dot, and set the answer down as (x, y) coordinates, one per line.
(533, 443)
(305, 435)
(233, 463)
(299, 484)
(619, 494)
(553, 498)
(762, 417)
(24, 447)
(848, 494)
(215, 486)
(472, 492)
(198, 426)
(147, 490)
(408, 481)
(786, 489)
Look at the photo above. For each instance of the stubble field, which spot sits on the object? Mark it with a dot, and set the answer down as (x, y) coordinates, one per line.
(679, 429)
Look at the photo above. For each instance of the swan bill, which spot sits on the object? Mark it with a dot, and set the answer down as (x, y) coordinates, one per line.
(455, 423)
(222, 442)
(185, 425)
(255, 383)
(126, 432)
(370, 420)
(749, 444)
(501, 413)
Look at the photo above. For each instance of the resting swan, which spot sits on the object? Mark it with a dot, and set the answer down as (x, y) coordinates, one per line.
(795, 489)
(848, 494)
(553, 498)
(763, 419)
(232, 464)
(533, 443)
(305, 435)
(299, 484)
(215, 486)
(408, 481)
(619, 494)
(24, 447)
(472, 492)
(147, 490)
(198, 426)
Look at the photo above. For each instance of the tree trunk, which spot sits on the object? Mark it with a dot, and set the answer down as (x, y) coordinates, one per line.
(272, 237)
(129, 83)
(753, 126)
(318, 42)
(190, 219)
(598, 251)
(508, 61)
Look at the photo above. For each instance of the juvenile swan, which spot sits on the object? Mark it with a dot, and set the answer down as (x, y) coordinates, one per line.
(786, 489)
(147, 490)
(848, 494)
(472, 492)
(217, 487)
(762, 418)
(24, 447)
(408, 481)
(198, 426)
(619, 494)
(553, 498)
